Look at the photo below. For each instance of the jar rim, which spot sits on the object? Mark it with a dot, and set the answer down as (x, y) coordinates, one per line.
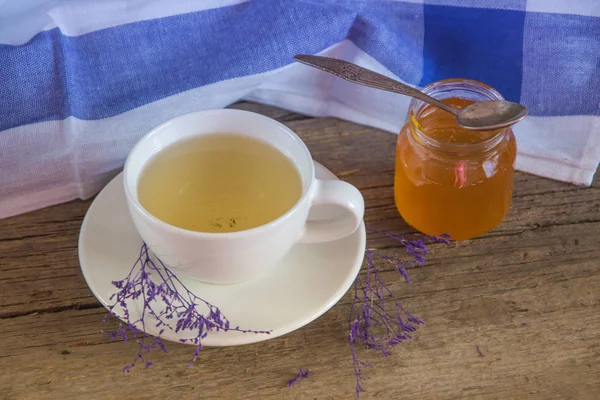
(479, 91)
(469, 84)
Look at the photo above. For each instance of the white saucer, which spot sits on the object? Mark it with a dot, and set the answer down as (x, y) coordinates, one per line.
(307, 283)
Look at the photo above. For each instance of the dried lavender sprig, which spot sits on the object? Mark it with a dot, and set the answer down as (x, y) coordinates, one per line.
(479, 350)
(180, 312)
(300, 375)
(376, 318)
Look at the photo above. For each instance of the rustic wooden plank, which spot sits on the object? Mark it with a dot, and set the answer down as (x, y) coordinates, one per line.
(539, 267)
(39, 266)
(67, 356)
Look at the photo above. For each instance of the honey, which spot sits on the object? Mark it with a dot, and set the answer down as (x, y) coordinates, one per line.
(450, 180)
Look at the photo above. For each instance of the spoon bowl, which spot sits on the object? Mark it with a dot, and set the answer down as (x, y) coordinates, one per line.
(494, 114)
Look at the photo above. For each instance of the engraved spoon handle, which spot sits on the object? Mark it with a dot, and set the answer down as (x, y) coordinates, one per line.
(362, 76)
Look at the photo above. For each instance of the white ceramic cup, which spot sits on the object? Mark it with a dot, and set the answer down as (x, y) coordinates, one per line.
(237, 256)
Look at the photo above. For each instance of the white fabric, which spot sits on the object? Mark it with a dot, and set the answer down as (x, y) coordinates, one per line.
(56, 161)
(78, 17)
(580, 7)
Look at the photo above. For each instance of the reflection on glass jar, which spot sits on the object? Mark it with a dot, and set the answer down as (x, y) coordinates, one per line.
(448, 179)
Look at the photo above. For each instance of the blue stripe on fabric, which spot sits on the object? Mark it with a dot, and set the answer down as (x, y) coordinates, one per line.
(476, 43)
(114, 70)
(392, 33)
(496, 4)
(32, 81)
(561, 64)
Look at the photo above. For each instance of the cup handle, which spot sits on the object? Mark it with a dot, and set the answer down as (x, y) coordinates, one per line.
(340, 194)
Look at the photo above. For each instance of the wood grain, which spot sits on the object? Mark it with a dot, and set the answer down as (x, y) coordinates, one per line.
(528, 294)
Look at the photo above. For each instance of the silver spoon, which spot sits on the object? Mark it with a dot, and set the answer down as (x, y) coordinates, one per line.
(483, 115)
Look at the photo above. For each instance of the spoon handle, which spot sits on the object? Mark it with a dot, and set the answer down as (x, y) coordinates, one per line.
(366, 77)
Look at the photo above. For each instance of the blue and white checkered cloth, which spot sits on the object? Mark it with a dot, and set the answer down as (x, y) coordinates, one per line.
(82, 80)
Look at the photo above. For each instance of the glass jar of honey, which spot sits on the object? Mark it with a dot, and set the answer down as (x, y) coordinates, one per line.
(450, 180)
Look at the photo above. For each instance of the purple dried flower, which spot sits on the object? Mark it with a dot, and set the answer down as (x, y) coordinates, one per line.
(376, 318)
(479, 350)
(300, 375)
(178, 305)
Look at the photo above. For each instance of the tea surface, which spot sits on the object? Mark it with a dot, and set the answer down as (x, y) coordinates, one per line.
(219, 183)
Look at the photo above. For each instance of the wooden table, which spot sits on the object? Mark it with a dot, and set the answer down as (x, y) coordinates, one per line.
(528, 294)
